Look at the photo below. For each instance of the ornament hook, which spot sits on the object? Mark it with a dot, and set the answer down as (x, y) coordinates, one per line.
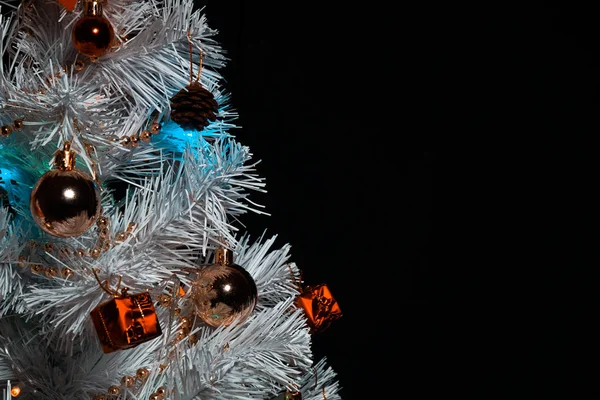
(317, 383)
(106, 286)
(200, 62)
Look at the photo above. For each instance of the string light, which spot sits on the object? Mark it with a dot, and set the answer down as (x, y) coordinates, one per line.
(15, 391)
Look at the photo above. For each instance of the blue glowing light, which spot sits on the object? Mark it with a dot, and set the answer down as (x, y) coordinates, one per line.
(173, 138)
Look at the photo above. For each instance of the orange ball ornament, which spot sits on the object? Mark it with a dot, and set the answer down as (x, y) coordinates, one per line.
(93, 34)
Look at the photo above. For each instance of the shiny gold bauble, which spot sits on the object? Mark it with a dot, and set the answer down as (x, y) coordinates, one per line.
(65, 203)
(93, 34)
(223, 294)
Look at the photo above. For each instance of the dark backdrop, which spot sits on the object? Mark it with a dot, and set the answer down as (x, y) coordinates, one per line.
(352, 199)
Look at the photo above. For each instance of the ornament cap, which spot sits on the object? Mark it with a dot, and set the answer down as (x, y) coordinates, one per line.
(65, 159)
(223, 256)
(93, 8)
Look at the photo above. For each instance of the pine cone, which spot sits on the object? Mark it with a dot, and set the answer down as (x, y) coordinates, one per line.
(194, 107)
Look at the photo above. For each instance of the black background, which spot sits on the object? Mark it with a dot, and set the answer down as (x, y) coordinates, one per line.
(339, 99)
(517, 89)
(345, 187)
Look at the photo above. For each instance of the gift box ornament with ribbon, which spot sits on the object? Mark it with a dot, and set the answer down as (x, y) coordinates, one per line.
(126, 321)
(320, 307)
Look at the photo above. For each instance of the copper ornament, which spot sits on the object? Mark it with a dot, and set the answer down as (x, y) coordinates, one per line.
(93, 34)
(320, 307)
(65, 202)
(125, 322)
(224, 292)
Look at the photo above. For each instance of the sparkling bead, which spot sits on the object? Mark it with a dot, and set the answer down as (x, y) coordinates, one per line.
(146, 136)
(18, 124)
(126, 141)
(106, 245)
(128, 381)
(95, 253)
(51, 272)
(142, 373)
(6, 130)
(114, 389)
(185, 322)
(102, 221)
(66, 273)
(37, 268)
(155, 128)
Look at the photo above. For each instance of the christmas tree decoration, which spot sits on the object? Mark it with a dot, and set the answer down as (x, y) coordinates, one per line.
(6, 130)
(68, 4)
(126, 320)
(194, 107)
(15, 391)
(159, 394)
(65, 202)
(93, 34)
(224, 292)
(320, 307)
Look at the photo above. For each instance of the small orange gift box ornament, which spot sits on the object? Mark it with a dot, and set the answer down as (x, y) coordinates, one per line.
(125, 321)
(319, 305)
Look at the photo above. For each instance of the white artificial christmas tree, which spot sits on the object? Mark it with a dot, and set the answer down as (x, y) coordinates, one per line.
(121, 182)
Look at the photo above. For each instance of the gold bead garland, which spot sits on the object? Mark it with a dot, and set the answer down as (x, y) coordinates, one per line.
(122, 236)
(159, 394)
(103, 231)
(51, 272)
(114, 390)
(185, 322)
(130, 381)
(7, 129)
(42, 269)
(103, 244)
(145, 136)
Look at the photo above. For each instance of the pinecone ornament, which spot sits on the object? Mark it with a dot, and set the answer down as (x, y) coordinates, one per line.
(194, 107)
